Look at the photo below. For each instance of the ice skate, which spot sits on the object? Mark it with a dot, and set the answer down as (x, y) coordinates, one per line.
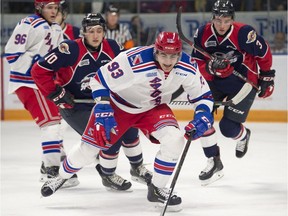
(52, 185)
(53, 171)
(114, 182)
(242, 145)
(43, 174)
(160, 195)
(141, 174)
(212, 172)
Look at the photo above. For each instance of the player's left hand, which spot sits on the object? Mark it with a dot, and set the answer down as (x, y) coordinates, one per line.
(201, 123)
(104, 124)
(220, 67)
(266, 83)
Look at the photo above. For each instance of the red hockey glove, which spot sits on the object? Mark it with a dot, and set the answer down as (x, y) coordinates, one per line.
(104, 124)
(220, 67)
(62, 98)
(201, 123)
(266, 83)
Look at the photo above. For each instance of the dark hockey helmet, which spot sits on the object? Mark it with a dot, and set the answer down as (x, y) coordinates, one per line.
(168, 42)
(93, 19)
(64, 7)
(223, 8)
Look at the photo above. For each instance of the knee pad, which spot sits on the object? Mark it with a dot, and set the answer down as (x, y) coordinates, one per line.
(172, 142)
(229, 128)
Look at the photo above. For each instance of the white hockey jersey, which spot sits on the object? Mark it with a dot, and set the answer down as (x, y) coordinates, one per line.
(137, 84)
(31, 39)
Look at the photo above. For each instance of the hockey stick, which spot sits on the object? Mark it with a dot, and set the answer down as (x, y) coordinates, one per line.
(177, 172)
(84, 101)
(203, 52)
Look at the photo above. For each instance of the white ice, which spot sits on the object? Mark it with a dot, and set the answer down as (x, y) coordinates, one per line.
(255, 185)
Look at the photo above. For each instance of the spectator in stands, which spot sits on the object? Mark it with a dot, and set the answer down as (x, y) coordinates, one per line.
(279, 44)
(138, 33)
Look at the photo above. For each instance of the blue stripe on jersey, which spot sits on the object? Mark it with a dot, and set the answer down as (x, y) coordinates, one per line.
(144, 69)
(68, 168)
(40, 23)
(21, 81)
(185, 69)
(102, 80)
(205, 96)
(100, 93)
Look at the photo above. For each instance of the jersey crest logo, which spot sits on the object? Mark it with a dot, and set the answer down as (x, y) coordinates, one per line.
(210, 44)
(64, 48)
(84, 62)
(251, 37)
(137, 59)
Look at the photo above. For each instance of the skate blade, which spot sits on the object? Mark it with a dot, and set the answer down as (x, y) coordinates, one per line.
(174, 208)
(129, 190)
(73, 182)
(139, 180)
(214, 178)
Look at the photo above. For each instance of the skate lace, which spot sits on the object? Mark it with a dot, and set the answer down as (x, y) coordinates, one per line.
(142, 171)
(117, 179)
(241, 145)
(163, 192)
(210, 165)
(54, 183)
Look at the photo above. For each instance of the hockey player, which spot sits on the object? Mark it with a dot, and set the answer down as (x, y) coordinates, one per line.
(70, 32)
(134, 89)
(31, 39)
(235, 47)
(73, 63)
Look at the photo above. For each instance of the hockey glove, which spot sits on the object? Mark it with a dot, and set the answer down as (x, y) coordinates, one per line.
(220, 67)
(266, 83)
(104, 124)
(62, 98)
(201, 123)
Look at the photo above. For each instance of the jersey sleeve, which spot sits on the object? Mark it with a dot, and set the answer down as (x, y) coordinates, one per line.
(58, 59)
(198, 91)
(200, 59)
(254, 44)
(113, 76)
(21, 40)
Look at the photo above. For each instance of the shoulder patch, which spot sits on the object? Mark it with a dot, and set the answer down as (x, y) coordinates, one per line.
(64, 48)
(137, 59)
(251, 37)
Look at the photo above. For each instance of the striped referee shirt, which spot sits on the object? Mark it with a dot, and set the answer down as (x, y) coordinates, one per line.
(121, 34)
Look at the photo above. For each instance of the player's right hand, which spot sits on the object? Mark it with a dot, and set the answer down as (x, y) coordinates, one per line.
(62, 98)
(199, 125)
(220, 67)
(104, 124)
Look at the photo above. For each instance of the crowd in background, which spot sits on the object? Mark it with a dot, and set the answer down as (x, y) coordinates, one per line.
(143, 36)
(155, 6)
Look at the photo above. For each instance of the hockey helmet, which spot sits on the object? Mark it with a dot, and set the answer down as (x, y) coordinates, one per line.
(63, 7)
(112, 9)
(223, 8)
(93, 19)
(39, 4)
(168, 42)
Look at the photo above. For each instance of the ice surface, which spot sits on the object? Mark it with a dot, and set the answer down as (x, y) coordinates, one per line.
(255, 185)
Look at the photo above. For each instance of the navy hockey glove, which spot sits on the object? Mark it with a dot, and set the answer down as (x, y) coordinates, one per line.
(201, 123)
(218, 66)
(62, 98)
(104, 124)
(266, 83)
